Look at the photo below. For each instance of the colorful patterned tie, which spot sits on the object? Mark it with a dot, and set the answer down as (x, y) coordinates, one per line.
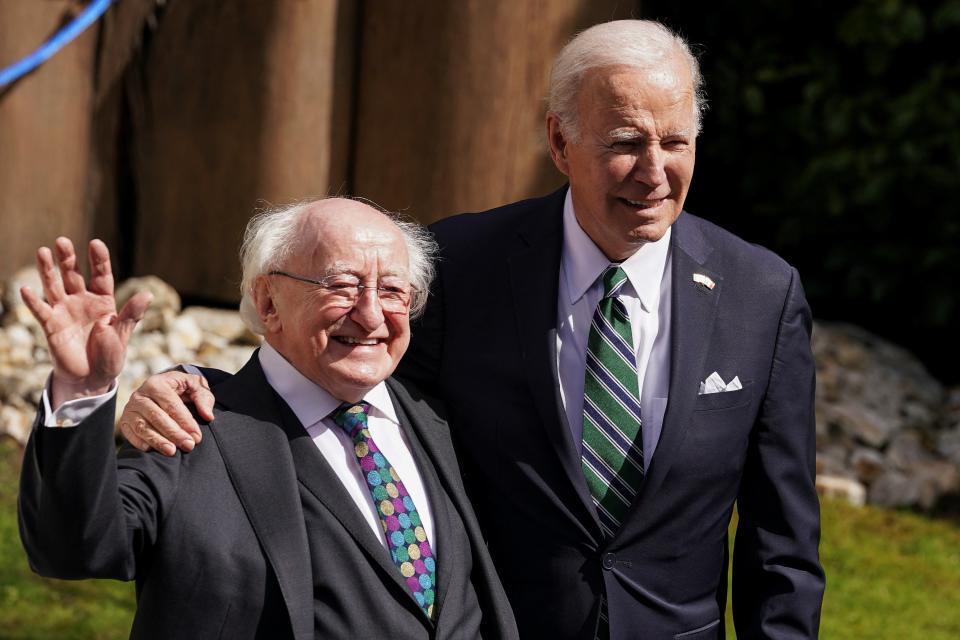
(406, 537)
(612, 445)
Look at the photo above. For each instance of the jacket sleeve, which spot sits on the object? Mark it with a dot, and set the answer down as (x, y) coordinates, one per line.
(777, 578)
(85, 510)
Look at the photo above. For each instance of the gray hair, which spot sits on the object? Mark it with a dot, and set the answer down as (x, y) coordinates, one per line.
(642, 44)
(273, 235)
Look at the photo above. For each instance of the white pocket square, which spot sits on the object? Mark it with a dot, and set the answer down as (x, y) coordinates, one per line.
(715, 384)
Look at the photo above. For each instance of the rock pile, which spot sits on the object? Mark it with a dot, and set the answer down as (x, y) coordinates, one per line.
(887, 432)
(166, 336)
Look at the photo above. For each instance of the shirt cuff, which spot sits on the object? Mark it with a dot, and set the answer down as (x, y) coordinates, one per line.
(188, 368)
(72, 412)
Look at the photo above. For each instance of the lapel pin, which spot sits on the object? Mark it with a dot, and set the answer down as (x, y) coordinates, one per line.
(704, 281)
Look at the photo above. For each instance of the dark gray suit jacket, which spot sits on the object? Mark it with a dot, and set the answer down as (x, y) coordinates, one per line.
(251, 534)
(487, 346)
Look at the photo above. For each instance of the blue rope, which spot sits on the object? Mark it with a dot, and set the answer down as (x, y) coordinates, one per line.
(57, 41)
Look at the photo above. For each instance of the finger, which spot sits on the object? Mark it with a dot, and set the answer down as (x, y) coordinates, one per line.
(40, 309)
(140, 428)
(67, 260)
(198, 390)
(49, 276)
(101, 272)
(126, 428)
(168, 417)
(132, 313)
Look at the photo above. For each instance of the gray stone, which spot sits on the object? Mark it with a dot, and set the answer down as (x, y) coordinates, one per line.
(222, 323)
(907, 451)
(867, 464)
(16, 423)
(17, 345)
(15, 311)
(924, 487)
(164, 307)
(948, 445)
(230, 359)
(894, 489)
(861, 423)
(184, 337)
(831, 462)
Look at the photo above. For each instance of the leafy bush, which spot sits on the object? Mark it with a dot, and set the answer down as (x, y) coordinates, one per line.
(833, 137)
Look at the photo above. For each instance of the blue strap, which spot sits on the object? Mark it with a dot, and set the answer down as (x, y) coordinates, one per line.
(57, 41)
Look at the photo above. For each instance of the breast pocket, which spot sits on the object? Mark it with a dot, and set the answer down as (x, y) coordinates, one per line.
(725, 399)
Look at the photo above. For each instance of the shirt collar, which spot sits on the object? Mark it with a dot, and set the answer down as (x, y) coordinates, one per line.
(584, 262)
(309, 401)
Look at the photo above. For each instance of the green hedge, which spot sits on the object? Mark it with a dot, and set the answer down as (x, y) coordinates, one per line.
(833, 137)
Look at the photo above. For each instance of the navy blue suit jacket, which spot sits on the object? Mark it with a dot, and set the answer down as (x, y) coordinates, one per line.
(487, 345)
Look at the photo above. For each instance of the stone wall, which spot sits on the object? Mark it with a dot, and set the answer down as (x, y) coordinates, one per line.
(887, 432)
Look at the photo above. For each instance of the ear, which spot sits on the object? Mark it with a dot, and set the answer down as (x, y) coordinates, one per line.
(263, 300)
(558, 144)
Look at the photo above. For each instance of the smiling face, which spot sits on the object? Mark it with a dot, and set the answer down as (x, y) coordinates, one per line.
(347, 352)
(631, 168)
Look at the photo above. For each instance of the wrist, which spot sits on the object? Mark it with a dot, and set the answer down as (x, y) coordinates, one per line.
(62, 390)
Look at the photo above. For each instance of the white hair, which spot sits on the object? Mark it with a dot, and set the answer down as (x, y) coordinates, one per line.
(273, 235)
(642, 44)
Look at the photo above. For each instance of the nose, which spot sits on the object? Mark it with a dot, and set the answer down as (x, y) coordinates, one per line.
(649, 167)
(367, 312)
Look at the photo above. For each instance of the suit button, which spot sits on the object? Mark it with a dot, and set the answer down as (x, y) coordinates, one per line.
(608, 559)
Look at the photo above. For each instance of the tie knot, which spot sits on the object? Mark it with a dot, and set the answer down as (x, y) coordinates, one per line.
(351, 417)
(613, 279)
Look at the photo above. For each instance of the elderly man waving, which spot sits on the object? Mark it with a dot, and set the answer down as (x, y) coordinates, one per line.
(327, 501)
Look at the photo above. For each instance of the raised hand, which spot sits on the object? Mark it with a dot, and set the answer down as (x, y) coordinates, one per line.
(87, 338)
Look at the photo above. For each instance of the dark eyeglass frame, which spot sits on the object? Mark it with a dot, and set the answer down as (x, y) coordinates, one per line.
(324, 284)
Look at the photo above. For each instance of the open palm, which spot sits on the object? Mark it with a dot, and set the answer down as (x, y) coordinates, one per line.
(86, 336)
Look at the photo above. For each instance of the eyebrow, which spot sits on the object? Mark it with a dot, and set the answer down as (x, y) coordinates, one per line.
(626, 134)
(342, 270)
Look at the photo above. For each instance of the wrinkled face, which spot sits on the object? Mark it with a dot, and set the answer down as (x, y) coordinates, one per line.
(345, 351)
(630, 170)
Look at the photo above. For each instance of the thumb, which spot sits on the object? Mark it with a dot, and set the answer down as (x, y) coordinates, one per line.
(132, 313)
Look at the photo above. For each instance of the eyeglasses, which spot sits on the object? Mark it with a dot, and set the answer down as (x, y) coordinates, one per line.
(344, 291)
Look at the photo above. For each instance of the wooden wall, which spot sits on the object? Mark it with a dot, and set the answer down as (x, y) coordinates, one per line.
(195, 113)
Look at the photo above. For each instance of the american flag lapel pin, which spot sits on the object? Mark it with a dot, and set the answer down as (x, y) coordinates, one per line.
(704, 281)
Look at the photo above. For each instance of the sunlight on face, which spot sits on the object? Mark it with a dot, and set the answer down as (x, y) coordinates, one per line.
(631, 168)
(345, 351)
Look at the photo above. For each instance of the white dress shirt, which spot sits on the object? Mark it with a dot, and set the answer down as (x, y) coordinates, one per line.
(646, 296)
(313, 406)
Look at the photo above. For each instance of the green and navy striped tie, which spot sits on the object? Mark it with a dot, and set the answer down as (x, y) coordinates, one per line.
(612, 457)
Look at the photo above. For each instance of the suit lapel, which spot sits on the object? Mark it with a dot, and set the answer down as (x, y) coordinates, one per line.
(432, 450)
(319, 479)
(266, 457)
(258, 460)
(693, 313)
(534, 275)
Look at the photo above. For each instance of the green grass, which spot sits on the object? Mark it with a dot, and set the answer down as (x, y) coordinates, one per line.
(889, 575)
(36, 608)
